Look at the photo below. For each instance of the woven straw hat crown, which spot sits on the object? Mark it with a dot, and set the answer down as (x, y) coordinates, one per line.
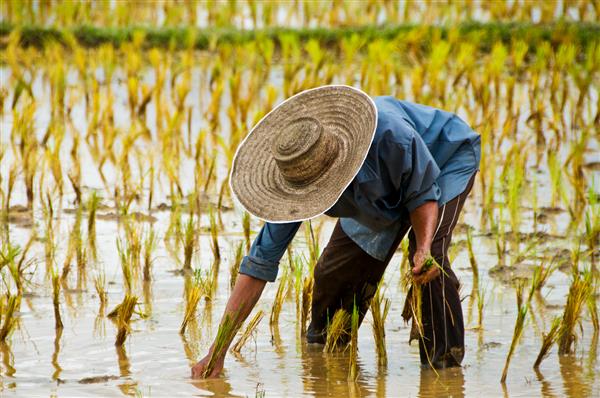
(299, 158)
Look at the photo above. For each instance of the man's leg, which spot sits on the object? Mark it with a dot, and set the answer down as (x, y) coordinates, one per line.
(345, 274)
(443, 343)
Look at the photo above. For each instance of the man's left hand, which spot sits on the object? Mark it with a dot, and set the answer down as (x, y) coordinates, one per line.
(420, 277)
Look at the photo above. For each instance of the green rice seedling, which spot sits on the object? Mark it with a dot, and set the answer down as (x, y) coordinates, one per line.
(246, 228)
(278, 301)
(214, 235)
(193, 295)
(405, 256)
(547, 341)
(92, 206)
(100, 286)
(338, 330)
(480, 304)
(250, 328)
(150, 242)
(312, 240)
(125, 256)
(56, 299)
(124, 318)
(353, 371)
(227, 330)
(472, 260)
(579, 292)
(235, 266)
(380, 307)
(188, 243)
(9, 321)
(307, 291)
(518, 330)
(298, 270)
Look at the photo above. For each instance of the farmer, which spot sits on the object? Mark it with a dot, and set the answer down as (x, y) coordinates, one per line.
(385, 168)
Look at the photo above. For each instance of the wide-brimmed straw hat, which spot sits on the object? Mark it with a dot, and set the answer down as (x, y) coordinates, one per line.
(299, 158)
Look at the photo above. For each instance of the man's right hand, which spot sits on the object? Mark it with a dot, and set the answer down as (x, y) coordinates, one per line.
(198, 369)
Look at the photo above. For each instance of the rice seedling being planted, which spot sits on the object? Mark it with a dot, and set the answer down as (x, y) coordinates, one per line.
(123, 319)
(380, 307)
(250, 328)
(226, 332)
(522, 309)
(338, 331)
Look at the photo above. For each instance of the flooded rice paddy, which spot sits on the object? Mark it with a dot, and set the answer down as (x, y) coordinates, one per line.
(154, 137)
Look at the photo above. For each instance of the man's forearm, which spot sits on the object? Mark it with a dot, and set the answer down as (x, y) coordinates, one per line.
(245, 294)
(424, 223)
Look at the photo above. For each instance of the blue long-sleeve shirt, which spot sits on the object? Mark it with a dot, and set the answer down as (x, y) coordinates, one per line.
(418, 154)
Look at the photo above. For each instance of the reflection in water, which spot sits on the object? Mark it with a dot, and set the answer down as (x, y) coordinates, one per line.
(191, 349)
(147, 289)
(325, 374)
(219, 387)
(572, 374)
(546, 387)
(8, 359)
(55, 364)
(448, 382)
(128, 387)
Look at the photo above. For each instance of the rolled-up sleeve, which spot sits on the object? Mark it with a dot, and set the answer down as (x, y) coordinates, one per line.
(269, 246)
(419, 178)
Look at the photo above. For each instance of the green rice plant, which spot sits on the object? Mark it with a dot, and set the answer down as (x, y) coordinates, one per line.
(56, 299)
(246, 228)
(480, 304)
(235, 266)
(312, 240)
(214, 235)
(547, 341)
(125, 312)
(125, 256)
(307, 292)
(278, 301)
(298, 271)
(226, 332)
(472, 260)
(92, 206)
(193, 294)
(7, 315)
(380, 307)
(579, 292)
(353, 366)
(338, 330)
(405, 256)
(150, 242)
(188, 241)
(250, 328)
(522, 309)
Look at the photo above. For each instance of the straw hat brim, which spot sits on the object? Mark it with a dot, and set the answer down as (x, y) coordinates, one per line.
(346, 112)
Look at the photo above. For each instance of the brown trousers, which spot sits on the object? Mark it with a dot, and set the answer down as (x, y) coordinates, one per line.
(345, 274)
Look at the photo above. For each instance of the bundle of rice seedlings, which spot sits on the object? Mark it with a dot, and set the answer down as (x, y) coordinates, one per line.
(278, 302)
(56, 299)
(380, 307)
(235, 266)
(193, 294)
(7, 315)
(252, 325)
(353, 371)
(518, 331)
(227, 330)
(125, 312)
(579, 292)
(338, 330)
(307, 291)
(413, 302)
(547, 341)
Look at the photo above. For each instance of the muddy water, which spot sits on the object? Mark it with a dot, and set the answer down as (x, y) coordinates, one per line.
(155, 360)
